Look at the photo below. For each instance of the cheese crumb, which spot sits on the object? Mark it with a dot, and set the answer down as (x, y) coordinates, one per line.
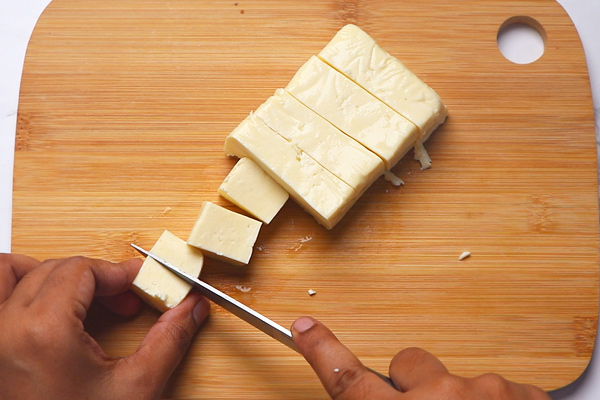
(305, 239)
(392, 178)
(464, 255)
(422, 156)
(296, 246)
(311, 292)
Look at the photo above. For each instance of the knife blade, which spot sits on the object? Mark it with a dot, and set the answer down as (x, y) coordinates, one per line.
(238, 309)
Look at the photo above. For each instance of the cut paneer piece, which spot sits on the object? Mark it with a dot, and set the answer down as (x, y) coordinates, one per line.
(334, 150)
(158, 286)
(353, 110)
(224, 235)
(250, 188)
(356, 54)
(323, 195)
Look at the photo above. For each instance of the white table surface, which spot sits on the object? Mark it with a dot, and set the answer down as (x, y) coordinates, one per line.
(18, 18)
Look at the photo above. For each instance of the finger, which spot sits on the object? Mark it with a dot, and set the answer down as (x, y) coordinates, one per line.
(342, 374)
(413, 367)
(164, 346)
(495, 386)
(13, 267)
(124, 304)
(31, 283)
(536, 393)
(72, 284)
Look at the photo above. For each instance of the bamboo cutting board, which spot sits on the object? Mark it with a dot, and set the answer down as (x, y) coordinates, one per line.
(123, 114)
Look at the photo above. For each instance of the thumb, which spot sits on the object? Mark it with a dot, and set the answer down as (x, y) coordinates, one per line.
(342, 374)
(164, 346)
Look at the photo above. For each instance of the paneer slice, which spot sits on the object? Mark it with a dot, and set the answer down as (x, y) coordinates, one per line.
(224, 235)
(334, 150)
(250, 188)
(323, 195)
(353, 110)
(356, 54)
(158, 286)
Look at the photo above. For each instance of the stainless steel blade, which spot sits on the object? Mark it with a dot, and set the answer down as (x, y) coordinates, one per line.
(242, 311)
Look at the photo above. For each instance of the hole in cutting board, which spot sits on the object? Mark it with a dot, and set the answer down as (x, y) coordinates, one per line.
(521, 40)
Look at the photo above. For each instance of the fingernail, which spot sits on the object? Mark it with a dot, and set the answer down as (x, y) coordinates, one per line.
(303, 324)
(200, 311)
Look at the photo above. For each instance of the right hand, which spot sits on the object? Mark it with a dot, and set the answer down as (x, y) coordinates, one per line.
(416, 374)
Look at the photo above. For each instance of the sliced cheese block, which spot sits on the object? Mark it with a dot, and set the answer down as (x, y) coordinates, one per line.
(337, 152)
(224, 235)
(323, 195)
(353, 110)
(158, 286)
(251, 189)
(356, 54)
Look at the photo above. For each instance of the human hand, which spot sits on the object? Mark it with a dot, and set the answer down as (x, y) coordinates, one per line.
(44, 349)
(417, 374)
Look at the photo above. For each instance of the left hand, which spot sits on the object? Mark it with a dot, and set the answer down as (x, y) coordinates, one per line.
(45, 351)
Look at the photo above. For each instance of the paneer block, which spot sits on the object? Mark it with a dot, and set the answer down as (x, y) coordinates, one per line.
(353, 110)
(323, 195)
(356, 54)
(224, 235)
(251, 189)
(158, 286)
(334, 150)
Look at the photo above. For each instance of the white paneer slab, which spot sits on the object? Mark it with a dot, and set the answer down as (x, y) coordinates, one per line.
(323, 195)
(353, 110)
(337, 152)
(158, 286)
(356, 54)
(224, 235)
(250, 188)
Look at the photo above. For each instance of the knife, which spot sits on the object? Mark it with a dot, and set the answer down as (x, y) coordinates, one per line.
(238, 309)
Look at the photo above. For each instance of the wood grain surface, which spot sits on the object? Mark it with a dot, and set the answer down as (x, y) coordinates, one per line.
(123, 113)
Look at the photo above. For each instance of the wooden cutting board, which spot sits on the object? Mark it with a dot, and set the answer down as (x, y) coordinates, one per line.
(123, 114)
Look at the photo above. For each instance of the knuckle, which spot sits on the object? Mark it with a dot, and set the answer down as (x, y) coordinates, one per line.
(349, 381)
(51, 261)
(78, 263)
(40, 335)
(410, 356)
(178, 337)
(537, 393)
(35, 337)
(452, 384)
(75, 264)
(135, 383)
(494, 383)
(5, 258)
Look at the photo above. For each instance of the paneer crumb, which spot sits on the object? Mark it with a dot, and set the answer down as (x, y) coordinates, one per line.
(311, 292)
(305, 239)
(464, 255)
(422, 156)
(392, 178)
(165, 211)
